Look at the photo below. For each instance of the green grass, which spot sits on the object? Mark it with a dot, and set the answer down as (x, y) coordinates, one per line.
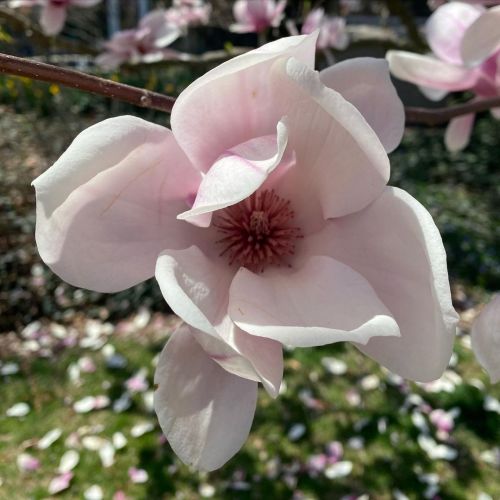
(381, 466)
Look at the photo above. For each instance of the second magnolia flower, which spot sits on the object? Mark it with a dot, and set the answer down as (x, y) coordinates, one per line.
(266, 218)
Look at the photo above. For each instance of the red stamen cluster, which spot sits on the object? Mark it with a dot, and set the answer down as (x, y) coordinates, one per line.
(257, 231)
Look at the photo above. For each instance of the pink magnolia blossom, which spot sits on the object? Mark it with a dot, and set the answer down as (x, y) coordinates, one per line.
(184, 13)
(53, 13)
(265, 216)
(257, 15)
(485, 336)
(146, 43)
(332, 32)
(434, 4)
(465, 43)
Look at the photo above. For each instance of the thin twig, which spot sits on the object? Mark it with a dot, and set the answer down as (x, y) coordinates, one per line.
(75, 79)
(152, 100)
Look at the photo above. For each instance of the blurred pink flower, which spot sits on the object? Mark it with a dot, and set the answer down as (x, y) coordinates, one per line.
(332, 30)
(265, 217)
(257, 15)
(54, 12)
(465, 41)
(27, 462)
(485, 336)
(443, 421)
(184, 13)
(137, 383)
(60, 483)
(146, 43)
(434, 4)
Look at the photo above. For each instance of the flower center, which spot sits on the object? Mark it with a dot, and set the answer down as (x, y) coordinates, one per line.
(257, 231)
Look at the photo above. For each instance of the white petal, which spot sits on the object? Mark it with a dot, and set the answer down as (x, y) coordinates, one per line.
(395, 245)
(204, 411)
(485, 336)
(325, 301)
(458, 132)
(365, 82)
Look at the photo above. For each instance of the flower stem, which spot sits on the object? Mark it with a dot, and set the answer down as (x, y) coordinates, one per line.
(145, 99)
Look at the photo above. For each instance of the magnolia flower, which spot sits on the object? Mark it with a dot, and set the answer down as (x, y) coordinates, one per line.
(465, 41)
(257, 15)
(485, 337)
(188, 12)
(145, 44)
(434, 4)
(54, 12)
(332, 32)
(265, 217)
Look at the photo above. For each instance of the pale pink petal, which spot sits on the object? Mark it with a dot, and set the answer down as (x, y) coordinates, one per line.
(160, 33)
(323, 302)
(110, 61)
(458, 132)
(195, 286)
(52, 18)
(482, 39)
(433, 94)
(204, 411)
(108, 206)
(254, 358)
(429, 71)
(341, 165)
(313, 20)
(485, 337)
(235, 100)
(237, 174)
(446, 27)
(197, 289)
(366, 83)
(241, 13)
(396, 246)
(14, 4)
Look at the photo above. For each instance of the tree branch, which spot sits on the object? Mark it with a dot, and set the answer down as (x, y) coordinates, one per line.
(75, 79)
(145, 99)
(439, 116)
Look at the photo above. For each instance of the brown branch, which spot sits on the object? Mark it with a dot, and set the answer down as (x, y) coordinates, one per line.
(75, 79)
(438, 116)
(152, 100)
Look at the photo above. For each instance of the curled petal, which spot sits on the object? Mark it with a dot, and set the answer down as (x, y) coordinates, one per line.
(394, 244)
(197, 289)
(429, 71)
(238, 98)
(237, 174)
(204, 411)
(323, 302)
(482, 39)
(365, 82)
(341, 165)
(254, 358)
(458, 132)
(108, 206)
(485, 337)
(446, 27)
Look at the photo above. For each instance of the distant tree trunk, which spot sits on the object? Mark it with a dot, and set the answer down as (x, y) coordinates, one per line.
(113, 16)
(142, 8)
